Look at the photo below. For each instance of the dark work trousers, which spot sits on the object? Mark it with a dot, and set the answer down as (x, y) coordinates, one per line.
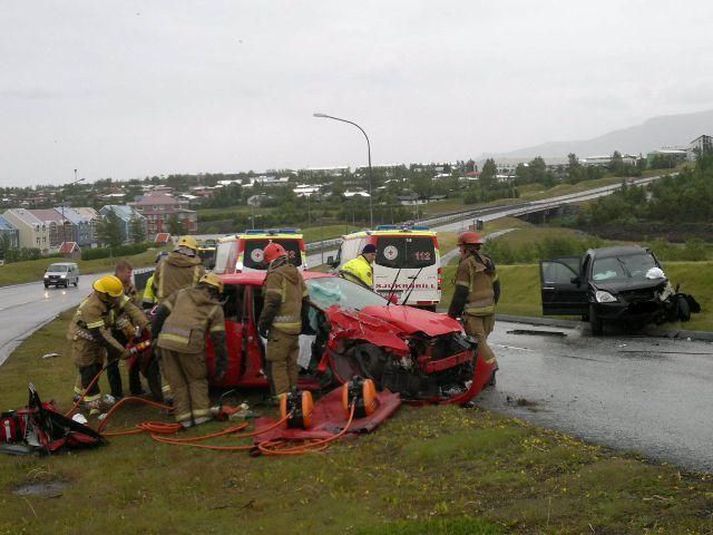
(113, 373)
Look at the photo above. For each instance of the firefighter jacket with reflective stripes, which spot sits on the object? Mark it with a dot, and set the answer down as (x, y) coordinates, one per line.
(94, 320)
(175, 272)
(193, 313)
(285, 291)
(476, 272)
(149, 297)
(358, 270)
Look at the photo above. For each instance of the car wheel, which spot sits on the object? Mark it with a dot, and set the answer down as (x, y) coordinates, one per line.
(595, 322)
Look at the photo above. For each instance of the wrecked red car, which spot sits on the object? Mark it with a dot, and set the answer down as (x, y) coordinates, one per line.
(422, 355)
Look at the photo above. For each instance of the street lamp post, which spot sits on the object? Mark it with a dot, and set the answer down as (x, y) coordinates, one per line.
(368, 152)
(64, 221)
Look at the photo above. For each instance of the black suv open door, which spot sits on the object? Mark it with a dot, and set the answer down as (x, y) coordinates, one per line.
(563, 291)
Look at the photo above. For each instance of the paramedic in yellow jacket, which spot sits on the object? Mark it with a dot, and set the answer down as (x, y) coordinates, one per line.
(183, 321)
(90, 332)
(477, 290)
(182, 268)
(360, 269)
(283, 313)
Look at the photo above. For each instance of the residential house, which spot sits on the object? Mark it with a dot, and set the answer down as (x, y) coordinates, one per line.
(159, 208)
(126, 215)
(9, 233)
(701, 145)
(84, 221)
(60, 228)
(32, 232)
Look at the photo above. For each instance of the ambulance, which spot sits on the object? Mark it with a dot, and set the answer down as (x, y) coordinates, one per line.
(407, 265)
(244, 252)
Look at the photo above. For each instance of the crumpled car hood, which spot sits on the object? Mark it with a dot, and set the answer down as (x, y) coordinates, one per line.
(616, 287)
(411, 320)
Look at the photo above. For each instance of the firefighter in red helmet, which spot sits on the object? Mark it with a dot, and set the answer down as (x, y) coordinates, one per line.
(477, 291)
(284, 312)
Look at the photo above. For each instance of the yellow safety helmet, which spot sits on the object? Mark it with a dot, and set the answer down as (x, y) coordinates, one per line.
(109, 284)
(188, 241)
(211, 279)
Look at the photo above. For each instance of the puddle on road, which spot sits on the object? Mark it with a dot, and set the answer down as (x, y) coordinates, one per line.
(535, 332)
(47, 489)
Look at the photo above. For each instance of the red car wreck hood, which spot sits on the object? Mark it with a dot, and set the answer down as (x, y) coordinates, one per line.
(412, 320)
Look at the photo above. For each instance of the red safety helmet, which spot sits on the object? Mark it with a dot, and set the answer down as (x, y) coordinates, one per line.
(273, 251)
(470, 238)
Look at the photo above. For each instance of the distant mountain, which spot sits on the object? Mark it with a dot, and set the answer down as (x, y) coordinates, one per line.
(665, 131)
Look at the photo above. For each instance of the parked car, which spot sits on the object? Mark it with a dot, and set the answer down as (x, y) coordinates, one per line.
(62, 274)
(423, 355)
(623, 284)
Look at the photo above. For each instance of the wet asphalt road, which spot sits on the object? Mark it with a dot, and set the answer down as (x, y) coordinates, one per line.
(649, 395)
(26, 307)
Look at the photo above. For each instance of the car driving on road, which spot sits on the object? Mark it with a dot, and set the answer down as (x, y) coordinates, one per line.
(61, 274)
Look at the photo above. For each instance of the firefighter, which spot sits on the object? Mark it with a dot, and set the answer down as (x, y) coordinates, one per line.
(182, 268)
(90, 334)
(284, 312)
(360, 269)
(123, 329)
(148, 299)
(477, 291)
(182, 323)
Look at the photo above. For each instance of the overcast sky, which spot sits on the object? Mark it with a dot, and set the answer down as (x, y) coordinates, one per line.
(129, 88)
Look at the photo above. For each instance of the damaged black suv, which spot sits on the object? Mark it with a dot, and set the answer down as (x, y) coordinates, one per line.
(624, 284)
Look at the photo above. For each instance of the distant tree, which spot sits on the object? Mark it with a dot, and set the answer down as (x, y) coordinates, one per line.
(574, 168)
(137, 230)
(616, 165)
(176, 226)
(538, 170)
(109, 230)
(488, 174)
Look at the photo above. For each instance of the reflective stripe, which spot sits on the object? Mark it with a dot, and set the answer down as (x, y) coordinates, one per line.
(183, 417)
(201, 412)
(173, 338)
(95, 397)
(196, 274)
(463, 283)
(480, 311)
(217, 328)
(273, 290)
(287, 319)
(95, 324)
(161, 278)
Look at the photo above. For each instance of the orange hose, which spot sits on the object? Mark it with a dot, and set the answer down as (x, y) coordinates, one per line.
(275, 447)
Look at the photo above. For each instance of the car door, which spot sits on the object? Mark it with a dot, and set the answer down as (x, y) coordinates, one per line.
(561, 287)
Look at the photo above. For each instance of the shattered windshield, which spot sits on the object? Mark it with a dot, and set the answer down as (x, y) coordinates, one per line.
(622, 268)
(328, 291)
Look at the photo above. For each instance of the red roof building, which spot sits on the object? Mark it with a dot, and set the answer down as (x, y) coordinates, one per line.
(159, 208)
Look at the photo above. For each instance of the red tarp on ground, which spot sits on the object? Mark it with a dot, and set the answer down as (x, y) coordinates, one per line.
(329, 418)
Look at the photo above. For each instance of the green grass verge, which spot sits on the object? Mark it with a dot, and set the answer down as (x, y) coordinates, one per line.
(426, 470)
(33, 270)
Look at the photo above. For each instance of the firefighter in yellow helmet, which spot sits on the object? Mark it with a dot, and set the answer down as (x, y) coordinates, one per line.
(360, 269)
(182, 323)
(182, 268)
(477, 291)
(91, 337)
(284, 312)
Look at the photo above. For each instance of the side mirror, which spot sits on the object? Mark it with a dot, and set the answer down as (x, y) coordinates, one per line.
(575, 280)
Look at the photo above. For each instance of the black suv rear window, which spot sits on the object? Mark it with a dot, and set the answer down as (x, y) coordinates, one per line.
(254, 248)
(405, 252)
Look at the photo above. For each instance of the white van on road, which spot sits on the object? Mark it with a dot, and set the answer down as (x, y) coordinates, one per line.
(61, 274)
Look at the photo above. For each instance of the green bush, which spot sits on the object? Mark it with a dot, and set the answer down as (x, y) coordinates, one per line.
(122, 250)
(504, 253)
